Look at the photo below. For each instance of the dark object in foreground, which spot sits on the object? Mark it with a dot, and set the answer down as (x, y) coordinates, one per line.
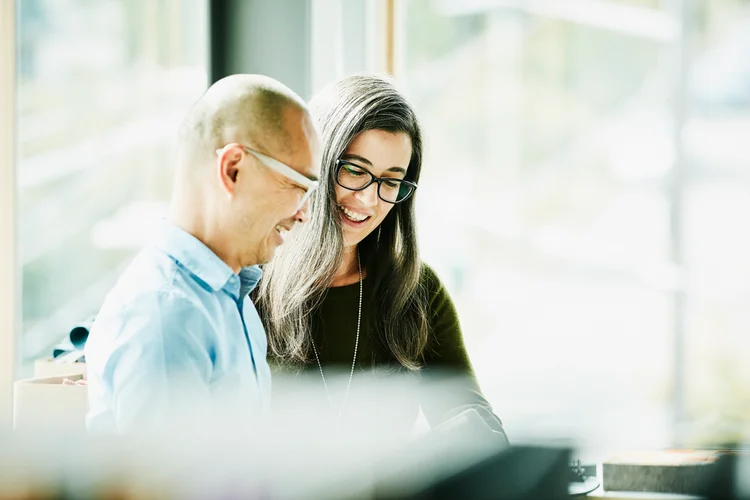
(465, 458)
(709, 474)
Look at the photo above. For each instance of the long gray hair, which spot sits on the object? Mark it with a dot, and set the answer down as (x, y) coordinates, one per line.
(296, 281)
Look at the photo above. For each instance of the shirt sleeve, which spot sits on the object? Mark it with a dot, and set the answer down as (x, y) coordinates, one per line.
(158, 361)
(448, 362)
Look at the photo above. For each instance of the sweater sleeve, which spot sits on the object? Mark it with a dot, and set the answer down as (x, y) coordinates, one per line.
(447, 361)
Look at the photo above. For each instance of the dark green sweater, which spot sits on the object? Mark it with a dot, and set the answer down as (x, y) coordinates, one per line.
(334, 326)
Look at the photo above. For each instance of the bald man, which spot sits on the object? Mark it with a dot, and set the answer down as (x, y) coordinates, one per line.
(178, 335)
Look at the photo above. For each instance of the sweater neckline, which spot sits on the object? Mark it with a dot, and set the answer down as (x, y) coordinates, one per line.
(346, 289)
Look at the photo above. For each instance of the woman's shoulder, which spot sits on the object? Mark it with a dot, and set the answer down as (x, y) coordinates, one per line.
(445, 338)
(430, 282)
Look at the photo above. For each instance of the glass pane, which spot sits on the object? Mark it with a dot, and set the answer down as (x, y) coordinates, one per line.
(558, 248)
(717, 241)
(102, 88)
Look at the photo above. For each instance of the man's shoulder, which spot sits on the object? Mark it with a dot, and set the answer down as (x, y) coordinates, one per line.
(155, 275)
(150, 271)
(152, 286)
(150, 296)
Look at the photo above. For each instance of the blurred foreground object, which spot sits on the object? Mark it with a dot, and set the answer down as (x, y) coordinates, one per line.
(705, 473)
(217, 454)
(50, 404)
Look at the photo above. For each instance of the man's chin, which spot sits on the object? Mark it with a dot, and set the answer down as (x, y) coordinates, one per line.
(267, 255)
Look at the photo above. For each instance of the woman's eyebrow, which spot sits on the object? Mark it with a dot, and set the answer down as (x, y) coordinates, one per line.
(400, 170)
(364, 160)
(358, 158)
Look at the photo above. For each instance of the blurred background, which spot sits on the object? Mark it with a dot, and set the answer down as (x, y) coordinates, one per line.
(585, 183)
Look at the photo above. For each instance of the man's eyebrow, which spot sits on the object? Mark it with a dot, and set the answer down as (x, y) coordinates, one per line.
(296, 184)
(311, 177)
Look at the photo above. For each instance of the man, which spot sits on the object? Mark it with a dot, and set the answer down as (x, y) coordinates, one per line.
(178, 334)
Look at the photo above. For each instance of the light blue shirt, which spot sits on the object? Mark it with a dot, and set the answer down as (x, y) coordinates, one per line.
(177, 329)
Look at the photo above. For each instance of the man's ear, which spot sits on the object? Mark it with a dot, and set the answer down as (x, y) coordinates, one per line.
(228, 168)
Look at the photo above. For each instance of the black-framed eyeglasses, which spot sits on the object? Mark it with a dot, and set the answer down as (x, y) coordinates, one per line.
(356, 178)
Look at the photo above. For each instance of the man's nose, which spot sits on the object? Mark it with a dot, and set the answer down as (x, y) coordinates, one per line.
(303, 212)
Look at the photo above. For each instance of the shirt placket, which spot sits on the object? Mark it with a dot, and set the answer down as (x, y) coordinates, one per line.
(235, 291)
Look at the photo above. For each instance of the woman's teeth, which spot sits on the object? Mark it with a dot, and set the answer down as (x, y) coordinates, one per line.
(354, 216)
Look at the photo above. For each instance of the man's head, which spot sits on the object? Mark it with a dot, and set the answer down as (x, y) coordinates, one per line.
(232, 188)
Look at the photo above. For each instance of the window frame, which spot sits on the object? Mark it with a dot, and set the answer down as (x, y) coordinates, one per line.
(9, 272)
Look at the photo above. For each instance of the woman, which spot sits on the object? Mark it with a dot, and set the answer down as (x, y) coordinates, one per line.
(348, 290)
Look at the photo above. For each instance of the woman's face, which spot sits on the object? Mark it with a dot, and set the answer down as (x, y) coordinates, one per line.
(385, 155)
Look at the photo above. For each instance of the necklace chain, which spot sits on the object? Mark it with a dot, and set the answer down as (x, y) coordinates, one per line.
(356, 347)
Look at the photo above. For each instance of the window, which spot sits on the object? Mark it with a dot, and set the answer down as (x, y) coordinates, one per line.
(597, 257)
(716, 239)
(102, 88)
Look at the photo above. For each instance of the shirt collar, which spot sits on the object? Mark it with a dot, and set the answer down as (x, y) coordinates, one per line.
(202, 262)
(249, 278)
